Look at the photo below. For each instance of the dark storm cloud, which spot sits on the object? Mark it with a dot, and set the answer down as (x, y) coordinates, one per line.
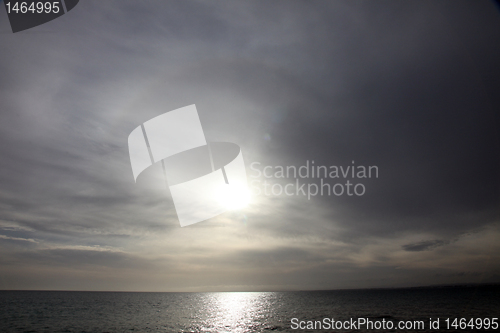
(409, 113)
(424, 245)
(409, 87)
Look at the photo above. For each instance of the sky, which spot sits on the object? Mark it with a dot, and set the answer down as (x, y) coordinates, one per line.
(408, 87)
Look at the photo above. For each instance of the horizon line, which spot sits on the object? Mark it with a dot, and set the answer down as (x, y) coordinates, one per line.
(460, 285)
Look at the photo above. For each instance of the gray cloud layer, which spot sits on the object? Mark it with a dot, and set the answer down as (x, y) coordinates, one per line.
(409, 87)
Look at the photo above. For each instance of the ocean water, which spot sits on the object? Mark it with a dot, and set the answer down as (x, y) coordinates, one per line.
(69, 311)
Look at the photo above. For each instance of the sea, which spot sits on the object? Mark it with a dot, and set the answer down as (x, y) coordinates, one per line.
(297, 311)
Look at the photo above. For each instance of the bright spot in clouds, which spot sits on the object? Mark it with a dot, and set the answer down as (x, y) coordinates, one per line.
(233, 196)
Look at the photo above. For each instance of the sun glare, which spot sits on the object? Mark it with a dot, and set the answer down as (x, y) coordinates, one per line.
(234, 196)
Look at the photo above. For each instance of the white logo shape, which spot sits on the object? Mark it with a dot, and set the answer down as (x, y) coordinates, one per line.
(205, 179)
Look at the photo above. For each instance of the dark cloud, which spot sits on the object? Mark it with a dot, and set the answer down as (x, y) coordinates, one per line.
(424, 245)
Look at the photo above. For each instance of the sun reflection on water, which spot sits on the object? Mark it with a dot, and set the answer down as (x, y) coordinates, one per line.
(235, 311)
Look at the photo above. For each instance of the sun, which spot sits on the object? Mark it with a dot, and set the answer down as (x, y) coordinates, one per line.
(233, 196)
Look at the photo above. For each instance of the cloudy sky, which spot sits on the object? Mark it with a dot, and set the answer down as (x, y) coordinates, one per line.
(409, 87)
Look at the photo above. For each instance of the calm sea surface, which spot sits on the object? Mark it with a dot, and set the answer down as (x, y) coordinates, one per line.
(63, 311)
